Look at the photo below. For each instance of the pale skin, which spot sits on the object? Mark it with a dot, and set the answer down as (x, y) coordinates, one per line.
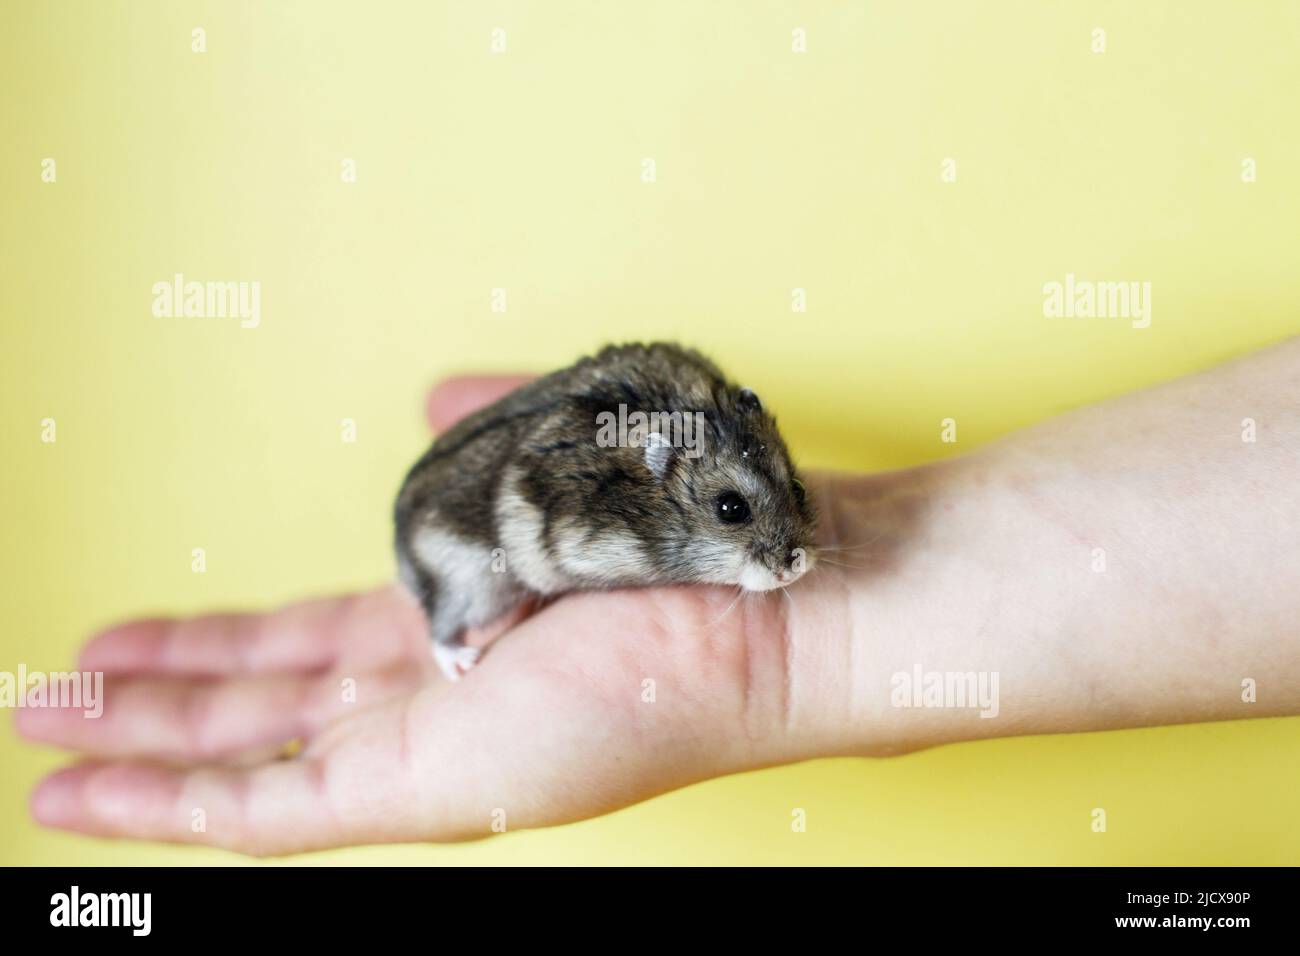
(984, 562)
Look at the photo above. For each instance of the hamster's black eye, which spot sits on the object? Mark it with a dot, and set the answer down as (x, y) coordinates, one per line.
(732, 509)
(800, 492)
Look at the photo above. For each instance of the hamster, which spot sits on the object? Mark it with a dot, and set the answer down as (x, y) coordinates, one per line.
(639, 466)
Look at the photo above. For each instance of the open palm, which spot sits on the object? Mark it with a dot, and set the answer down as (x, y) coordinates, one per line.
(593, 702)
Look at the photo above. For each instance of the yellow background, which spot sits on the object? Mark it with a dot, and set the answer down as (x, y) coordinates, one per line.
(522, 171)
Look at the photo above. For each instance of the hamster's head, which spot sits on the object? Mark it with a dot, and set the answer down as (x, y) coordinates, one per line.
(750, 519)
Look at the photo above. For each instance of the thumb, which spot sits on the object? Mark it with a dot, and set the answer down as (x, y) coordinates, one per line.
(453, 398)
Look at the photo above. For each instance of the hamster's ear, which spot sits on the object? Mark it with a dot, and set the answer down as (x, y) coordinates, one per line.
(658, 454)
(748, 401)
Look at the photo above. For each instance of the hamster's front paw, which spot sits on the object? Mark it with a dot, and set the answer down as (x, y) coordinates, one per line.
(454, 659)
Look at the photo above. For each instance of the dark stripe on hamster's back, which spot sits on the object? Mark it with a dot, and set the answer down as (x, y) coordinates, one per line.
(441, 448)
(630, 395)
(618, 475)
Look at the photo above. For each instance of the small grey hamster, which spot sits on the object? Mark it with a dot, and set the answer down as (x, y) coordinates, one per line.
(639, 466)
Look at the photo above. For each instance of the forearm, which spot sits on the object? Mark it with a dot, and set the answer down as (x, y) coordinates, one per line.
(1130, 564)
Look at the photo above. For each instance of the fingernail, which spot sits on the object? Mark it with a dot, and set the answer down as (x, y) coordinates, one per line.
(56, 801)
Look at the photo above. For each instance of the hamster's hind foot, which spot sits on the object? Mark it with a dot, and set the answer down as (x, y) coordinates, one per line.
(454, 660)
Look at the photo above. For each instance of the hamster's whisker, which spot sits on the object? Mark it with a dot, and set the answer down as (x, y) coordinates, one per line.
(713, 623)
(842, 564)
(740, 592)
(849, 547)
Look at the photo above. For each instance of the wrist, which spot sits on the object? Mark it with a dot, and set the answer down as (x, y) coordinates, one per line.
(900, 650)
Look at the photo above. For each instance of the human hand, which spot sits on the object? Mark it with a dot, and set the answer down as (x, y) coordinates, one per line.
(983, 564)
(556, 724)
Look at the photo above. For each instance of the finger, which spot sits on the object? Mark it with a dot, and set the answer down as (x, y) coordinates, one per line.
(454, 398)
(188, 721)
(374, 628)
(361, 795)
(553, 727)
